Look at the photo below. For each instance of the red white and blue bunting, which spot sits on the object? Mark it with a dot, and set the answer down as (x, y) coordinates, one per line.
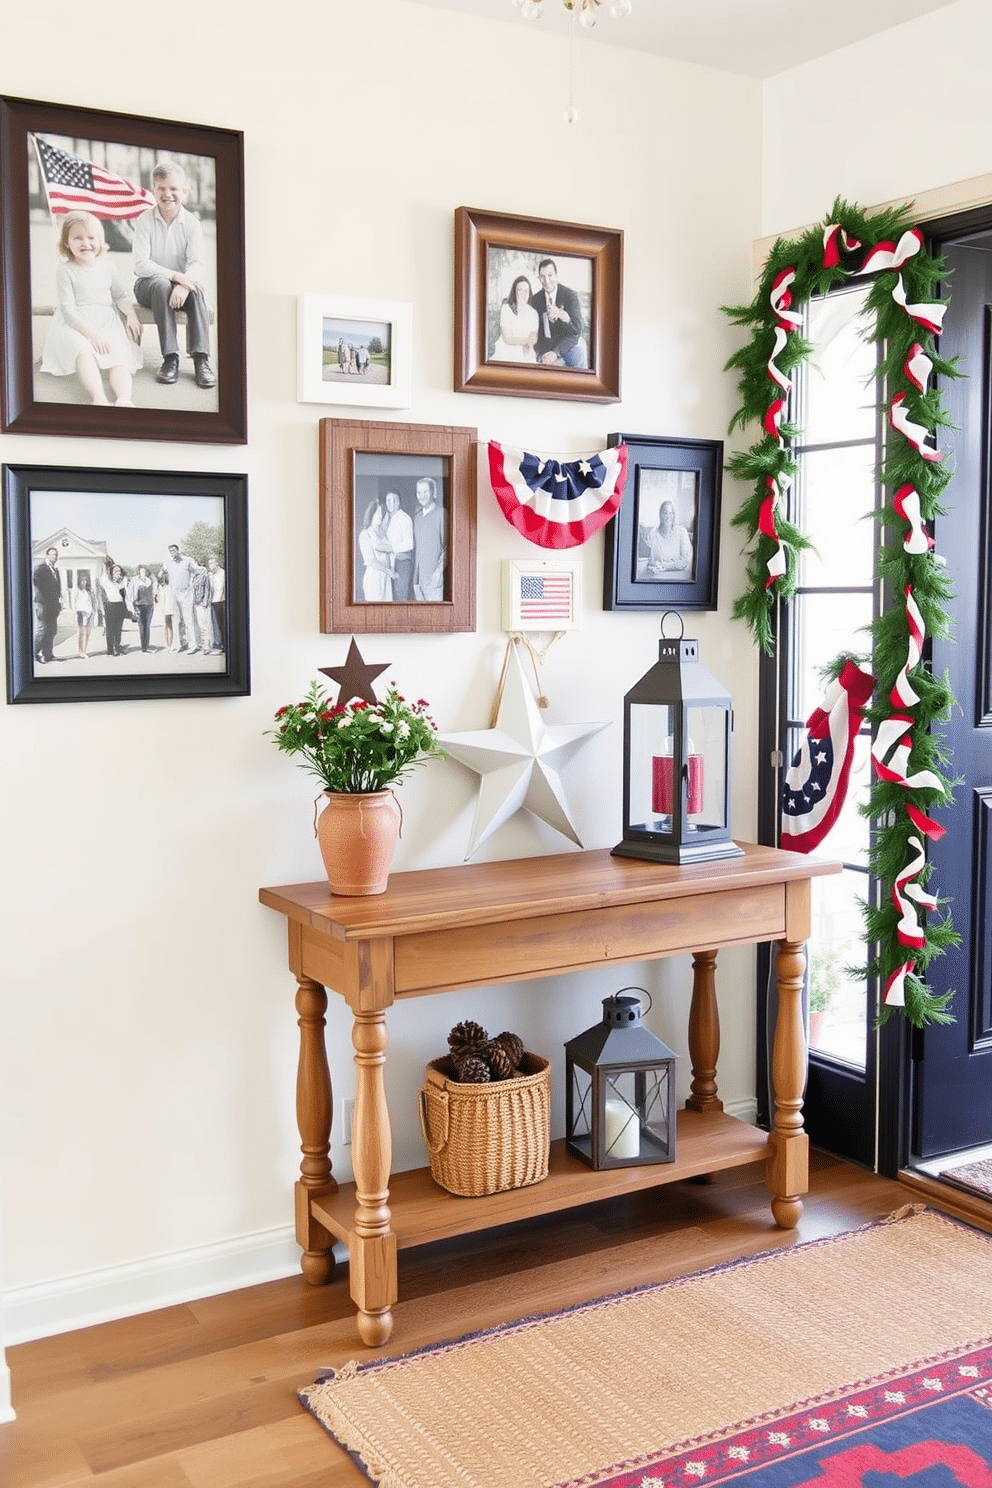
(558, 503)
(908, 784)
(816, 783)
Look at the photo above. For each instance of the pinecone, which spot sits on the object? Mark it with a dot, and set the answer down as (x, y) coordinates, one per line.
(472, 1070)
(513, 1046)
(500, 1063)
(467, 1038)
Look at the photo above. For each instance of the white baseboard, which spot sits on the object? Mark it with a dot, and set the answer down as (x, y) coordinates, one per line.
(46, 1308)
(51, 1307)
(6, 1409)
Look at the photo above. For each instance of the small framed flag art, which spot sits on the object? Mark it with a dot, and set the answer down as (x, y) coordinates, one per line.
(541, 594)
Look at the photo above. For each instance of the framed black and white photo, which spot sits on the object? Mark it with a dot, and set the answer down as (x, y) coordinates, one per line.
(397, 527)
(122, 277)
(354, 352)
(537, 307)
(663, 546)
(124, 584)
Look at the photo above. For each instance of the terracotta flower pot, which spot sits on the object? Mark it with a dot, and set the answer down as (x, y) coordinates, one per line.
(357, 835)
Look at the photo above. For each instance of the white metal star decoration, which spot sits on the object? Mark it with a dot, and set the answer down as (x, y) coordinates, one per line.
(518, 761)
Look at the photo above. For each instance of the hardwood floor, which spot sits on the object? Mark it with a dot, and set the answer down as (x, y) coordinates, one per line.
(203, 1395)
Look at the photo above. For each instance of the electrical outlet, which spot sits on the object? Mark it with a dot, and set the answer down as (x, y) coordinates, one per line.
(347, 1116)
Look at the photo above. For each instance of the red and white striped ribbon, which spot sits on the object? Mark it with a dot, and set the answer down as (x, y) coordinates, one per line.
(778, 377)
(891, 759)
(915, 433)
(766, 525)
(917, 367)
(924, 823)
(929, 315)
(902, 694)
(906, 503)
(893, 255)
(780, 299)
(895, 987)
(908, 895)
(834, 238)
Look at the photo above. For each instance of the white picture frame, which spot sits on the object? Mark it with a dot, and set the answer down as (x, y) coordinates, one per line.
(541, 594)
(326, 323)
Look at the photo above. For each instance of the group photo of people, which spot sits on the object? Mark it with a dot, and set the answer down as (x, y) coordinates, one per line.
(538, 308)
(355, 349)
(129, 600)
(123, 275)
(401, 544)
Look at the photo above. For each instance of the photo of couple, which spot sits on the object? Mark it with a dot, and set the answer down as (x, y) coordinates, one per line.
(402, 547)
(123, 275)
(543, 313)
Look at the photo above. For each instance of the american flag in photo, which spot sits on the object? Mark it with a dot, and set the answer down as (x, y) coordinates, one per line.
(77, 185)
(546, 596)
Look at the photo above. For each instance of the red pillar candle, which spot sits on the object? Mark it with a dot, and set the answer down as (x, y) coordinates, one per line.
(661, 782)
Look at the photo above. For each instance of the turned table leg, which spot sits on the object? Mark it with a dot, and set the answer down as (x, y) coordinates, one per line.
(704, 1034)
(787, 1170)
(313, 1117)
(372, 1246)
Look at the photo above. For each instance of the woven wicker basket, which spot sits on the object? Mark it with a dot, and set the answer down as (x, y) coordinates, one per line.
(483, 1139)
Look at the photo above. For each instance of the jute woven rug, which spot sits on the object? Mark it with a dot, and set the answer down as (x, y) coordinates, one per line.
(976, 1177)
(763, 1368)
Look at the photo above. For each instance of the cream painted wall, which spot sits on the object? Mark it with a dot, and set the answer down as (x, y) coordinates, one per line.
(893, 116)
(148, 1041)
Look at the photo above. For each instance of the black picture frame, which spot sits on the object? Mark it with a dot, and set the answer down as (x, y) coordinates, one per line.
(488, 243)
(141, 512)
(214, 158)
(687, 474)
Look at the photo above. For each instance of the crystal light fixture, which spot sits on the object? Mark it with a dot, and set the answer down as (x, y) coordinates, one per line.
(588, 10)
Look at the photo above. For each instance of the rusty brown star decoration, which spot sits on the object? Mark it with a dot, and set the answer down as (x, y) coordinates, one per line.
(355, 678)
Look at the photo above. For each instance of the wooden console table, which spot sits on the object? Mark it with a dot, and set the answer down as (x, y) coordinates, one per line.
(476, 925)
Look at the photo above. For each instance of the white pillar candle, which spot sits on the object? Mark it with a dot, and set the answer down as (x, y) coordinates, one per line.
(623, 1138)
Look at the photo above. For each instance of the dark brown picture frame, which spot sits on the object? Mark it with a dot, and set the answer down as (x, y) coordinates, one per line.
(169, 504)
(21, 412)
(476, 232)
(358, 460)
(695, 464)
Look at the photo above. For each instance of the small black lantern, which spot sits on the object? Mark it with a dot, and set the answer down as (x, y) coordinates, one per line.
(677, 726)
(620, 1090)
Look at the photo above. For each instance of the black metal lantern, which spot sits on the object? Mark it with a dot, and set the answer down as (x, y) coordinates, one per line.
(677, 725)
(620, 1090)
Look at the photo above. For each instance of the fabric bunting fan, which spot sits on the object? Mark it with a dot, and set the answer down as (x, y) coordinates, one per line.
(558, 503)
(816, 784)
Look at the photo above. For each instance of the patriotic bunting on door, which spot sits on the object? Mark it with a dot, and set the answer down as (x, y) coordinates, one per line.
(557, 503)
(816, 784)
(909, 703)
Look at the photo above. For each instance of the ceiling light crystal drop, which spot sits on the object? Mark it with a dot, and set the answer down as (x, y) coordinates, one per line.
(532, 10)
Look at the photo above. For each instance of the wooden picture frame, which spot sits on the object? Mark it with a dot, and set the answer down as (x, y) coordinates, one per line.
(493, 252)
(642, 571)
(377, 476)
(92, 521)
(331, 327)
(54, 160)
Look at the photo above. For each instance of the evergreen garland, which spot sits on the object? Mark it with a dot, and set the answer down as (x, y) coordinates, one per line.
(906, 936)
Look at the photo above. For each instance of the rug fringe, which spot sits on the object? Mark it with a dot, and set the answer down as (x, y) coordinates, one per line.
(905, 1212)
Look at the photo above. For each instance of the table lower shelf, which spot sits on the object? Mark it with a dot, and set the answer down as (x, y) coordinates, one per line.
(422, 1211)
